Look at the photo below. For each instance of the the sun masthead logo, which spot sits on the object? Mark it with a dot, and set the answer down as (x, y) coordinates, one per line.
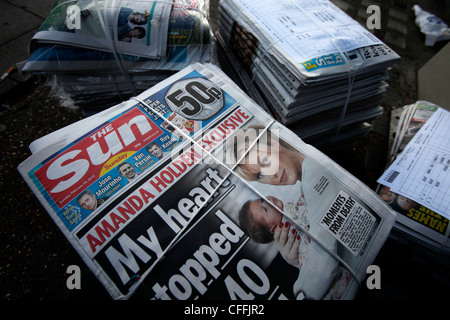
(72, 171)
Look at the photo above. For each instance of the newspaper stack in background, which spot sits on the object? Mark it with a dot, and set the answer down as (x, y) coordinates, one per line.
(317, 70)
(99, 53)
(153, 195)
(416, 222)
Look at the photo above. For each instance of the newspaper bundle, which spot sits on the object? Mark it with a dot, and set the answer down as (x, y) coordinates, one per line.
(307, 58)
(415, 222)
(101, 52)
(191, 191)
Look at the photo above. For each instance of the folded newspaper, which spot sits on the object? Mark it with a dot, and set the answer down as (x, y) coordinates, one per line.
(306, 58)
(416, 222)
(191, 191)
(102, 52)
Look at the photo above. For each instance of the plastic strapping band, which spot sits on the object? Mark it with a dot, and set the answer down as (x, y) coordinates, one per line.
(185, 227)
(112, 46)
(189, 7)
(112, 42)
(351, 75)
(231, 171)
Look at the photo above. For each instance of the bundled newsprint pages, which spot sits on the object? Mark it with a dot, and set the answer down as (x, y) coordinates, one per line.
(101, 52)
(306, 58)
(191, 191)
(416, 222)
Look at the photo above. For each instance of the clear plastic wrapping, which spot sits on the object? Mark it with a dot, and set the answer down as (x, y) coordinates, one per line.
(306, 58)
(117, 49)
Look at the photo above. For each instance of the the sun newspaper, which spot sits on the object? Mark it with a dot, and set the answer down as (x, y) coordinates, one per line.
(160, 190)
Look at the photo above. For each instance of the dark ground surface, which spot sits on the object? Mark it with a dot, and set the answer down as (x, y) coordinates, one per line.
(34, 254)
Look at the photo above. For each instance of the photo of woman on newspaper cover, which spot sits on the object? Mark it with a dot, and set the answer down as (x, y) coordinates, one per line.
(273, 161)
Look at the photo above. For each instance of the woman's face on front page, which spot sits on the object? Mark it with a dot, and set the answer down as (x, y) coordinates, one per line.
(276, 166)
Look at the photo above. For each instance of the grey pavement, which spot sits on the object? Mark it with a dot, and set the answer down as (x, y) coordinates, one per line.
(19, 21)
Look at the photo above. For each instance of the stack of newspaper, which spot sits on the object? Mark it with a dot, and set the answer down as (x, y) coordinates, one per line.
(102, 52)
(319, 71)
(193, 190)
(416, 221)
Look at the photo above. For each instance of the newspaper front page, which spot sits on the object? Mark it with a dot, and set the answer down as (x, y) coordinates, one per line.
(99, 53)
(131, 27)
(186, 37)
(191, 191)
(415, 220)
(306, 62)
